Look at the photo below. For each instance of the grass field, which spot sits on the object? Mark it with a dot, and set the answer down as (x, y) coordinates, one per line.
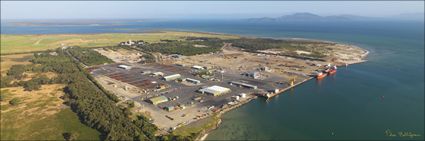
(29, 43)
(39, 116)
(197, 126)
(16, 59)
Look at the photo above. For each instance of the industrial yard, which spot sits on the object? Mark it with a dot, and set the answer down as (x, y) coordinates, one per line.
(174, 96)
(178, 90)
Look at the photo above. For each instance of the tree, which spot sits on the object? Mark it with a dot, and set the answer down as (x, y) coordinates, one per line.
(16, 71)
(68, 136)
(31, 85)
(1, 97)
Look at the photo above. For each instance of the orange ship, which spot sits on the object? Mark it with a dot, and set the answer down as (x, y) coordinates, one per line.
(320, 75)
(332, 70)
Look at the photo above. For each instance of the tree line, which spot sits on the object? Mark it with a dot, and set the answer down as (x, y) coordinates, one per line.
(184, 47)
(88, 56)
(95, 108)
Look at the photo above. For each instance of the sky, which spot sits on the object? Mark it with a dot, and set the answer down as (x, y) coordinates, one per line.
(199, 9)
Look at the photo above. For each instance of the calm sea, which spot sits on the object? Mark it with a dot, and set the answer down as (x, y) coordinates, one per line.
(378, 99)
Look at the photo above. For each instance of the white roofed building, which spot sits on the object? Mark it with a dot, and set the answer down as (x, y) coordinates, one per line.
(215, 90)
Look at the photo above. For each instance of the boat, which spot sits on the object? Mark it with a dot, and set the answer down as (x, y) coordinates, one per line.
(320, 75)
(332, 70)
(327, 70)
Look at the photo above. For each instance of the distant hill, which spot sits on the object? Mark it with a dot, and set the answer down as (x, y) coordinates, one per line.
(306, 17)
(313, 17)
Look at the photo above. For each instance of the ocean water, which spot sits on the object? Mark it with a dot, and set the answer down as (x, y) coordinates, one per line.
(372, 100)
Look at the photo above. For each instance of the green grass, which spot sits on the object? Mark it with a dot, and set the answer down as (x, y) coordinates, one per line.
(50, 128)
(29, 43)
(197, 126)
(31, 119)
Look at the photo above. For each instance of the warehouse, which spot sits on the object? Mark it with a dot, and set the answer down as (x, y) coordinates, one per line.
(171, 77)
(124, 67)
(157, 100)
(197, 67)
(215, 90)
(240, 84)
(194, 81)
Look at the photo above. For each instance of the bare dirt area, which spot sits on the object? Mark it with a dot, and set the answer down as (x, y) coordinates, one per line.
(346, 54)
(121, 55)
(338, 54)
(234, 59)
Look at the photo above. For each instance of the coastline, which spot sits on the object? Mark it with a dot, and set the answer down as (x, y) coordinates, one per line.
(203, 135)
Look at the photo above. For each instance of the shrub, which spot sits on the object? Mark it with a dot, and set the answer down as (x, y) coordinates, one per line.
(15, 101)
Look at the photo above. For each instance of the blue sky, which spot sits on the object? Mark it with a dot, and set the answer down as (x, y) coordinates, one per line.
(198, 9)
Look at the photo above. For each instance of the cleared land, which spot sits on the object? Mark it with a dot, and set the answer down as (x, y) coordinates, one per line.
(27, 43)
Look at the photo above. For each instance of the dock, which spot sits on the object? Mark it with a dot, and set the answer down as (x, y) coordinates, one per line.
(270, 95)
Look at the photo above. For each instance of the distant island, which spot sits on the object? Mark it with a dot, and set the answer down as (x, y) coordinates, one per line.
(305, 16)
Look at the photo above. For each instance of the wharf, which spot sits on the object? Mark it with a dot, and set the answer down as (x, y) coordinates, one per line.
(270, 95)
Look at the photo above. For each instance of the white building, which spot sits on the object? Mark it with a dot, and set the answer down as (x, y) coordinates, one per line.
(215, 90)
(240, 84)
(171, 77)
(194, 81)
(124, 67)
(197, 67)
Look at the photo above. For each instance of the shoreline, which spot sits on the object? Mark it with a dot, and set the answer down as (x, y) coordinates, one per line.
(203, 135)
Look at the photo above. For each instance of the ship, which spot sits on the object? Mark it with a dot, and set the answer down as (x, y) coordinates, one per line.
(320, 75)
(332, 70)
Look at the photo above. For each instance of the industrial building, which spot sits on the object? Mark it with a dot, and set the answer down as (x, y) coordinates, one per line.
(254, 74)
(214, 90)
(241, 84)
(171, 77)
(169, 108)
(157, 100)
(158, 74)
(194, 81)
(197, 67)
(124, 67)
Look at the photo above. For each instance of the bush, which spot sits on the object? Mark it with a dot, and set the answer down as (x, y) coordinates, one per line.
(31, 85)
(15, 101)
(16, 71)
(6, 81)
(68, 136)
